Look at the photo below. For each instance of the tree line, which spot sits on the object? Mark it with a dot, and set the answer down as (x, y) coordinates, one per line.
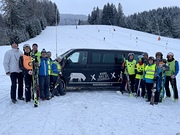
(21, 20)
(162, 21)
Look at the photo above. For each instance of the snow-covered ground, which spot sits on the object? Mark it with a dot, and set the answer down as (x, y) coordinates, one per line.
(91, 112)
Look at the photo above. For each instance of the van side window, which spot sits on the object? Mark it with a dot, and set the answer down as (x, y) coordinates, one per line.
(96, 57)
(78, 57)
(120, 59)
(108, 58)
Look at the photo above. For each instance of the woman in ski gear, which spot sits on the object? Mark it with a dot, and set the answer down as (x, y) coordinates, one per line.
(150, 73)
(25, 64)
(129, 65)
(56, 77)
(139, 69)
(44, 75)
(11, 66)
(160, 77)
(171, 75)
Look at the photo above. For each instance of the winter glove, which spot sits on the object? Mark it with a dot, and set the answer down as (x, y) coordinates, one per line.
(8, 73)
(30, 72)
(140, 73)
(173, 76)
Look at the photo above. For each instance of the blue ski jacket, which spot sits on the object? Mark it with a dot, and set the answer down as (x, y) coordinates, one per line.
(44, 69)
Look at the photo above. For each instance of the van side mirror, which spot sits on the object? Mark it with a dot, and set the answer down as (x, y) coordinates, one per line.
(68, 61)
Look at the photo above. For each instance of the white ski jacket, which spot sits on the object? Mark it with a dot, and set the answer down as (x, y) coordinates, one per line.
(11, 60)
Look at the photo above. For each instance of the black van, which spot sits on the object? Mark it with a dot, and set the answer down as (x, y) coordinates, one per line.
(93, 67)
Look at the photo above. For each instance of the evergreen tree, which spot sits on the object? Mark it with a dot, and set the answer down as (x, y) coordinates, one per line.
(25, 19)
(120, 15)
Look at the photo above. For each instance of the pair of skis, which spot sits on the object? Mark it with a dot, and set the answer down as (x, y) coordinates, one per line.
(152, 94)
(35, 81)
(128, 79)
(128, 82)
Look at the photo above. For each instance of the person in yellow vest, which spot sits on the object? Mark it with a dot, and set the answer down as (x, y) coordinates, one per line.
(25, 65)
(130, 65)
(171, 75)
(35, 51)
(44, 75)
(149, 77)
(139, 77)
(55, 76)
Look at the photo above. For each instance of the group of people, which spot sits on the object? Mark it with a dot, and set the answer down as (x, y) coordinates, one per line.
(149, 73)
(29, 63)
(146, 73)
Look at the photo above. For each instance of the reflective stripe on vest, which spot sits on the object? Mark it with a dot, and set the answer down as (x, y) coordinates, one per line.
(139, 69)
(58, 68)
(131, 67)
(172, 69)
(49, 67)
(27, 63)
(150, 71)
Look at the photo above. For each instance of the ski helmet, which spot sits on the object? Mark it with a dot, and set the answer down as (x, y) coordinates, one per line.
(151, 58)
(26, 45)
(170, 53)
(141, 57)
(129, 54)
(160, 54)
(145, 54)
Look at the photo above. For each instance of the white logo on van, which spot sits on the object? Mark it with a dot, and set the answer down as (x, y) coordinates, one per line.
(113, 75)
(93, 77)
(78, 76)
(103, 76)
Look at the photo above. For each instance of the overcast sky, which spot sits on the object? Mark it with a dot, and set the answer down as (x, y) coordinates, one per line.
(129, 6)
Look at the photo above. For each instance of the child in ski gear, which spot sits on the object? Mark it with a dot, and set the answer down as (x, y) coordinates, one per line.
(139, 69)
(11, 66)
(49, 55)
(56, 74)
(25, 64)
(44, 78)
(51, 82)
(129, 65)
(171, 75)
(150, 73)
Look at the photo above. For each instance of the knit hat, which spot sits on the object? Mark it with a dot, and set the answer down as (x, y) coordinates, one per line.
(43, 51)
